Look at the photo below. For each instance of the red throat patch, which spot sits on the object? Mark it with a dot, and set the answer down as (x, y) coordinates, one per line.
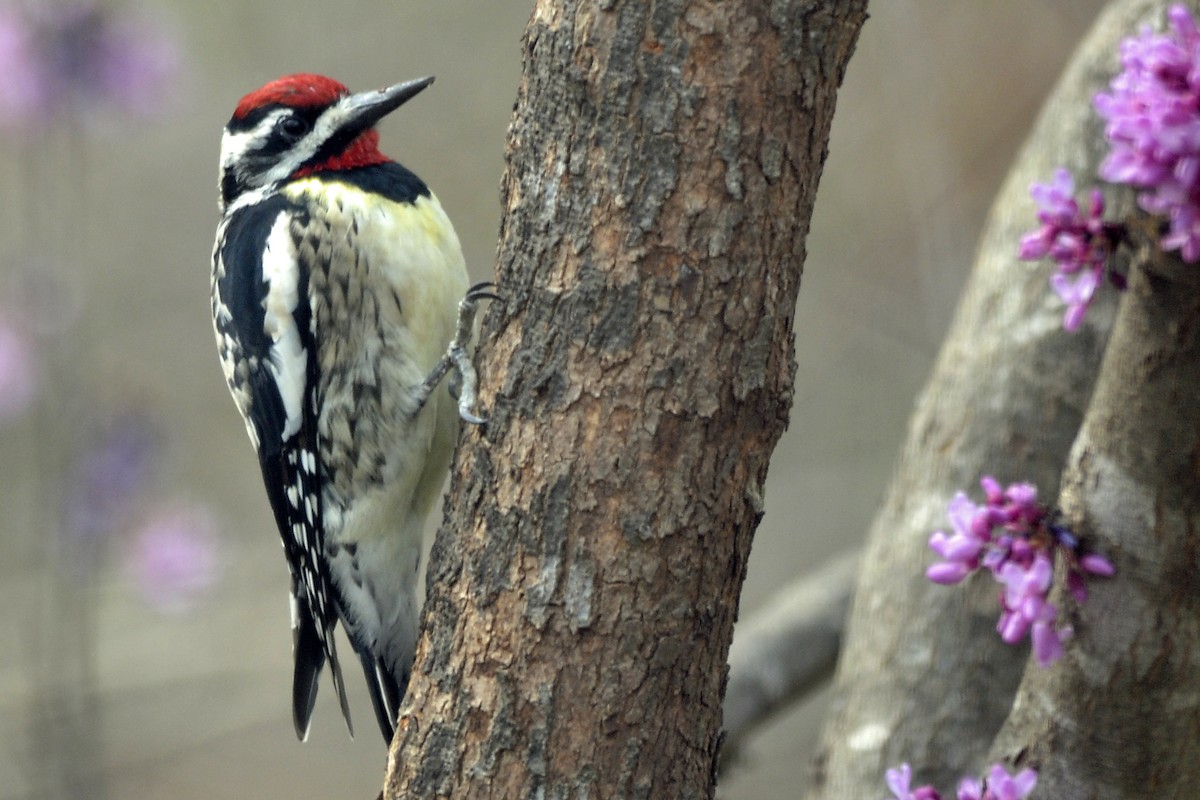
(303, 90)
(362, 152)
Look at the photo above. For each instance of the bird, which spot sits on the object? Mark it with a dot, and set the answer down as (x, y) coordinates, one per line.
(340, 301)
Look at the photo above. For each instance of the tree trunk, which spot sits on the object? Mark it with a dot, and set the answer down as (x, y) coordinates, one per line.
(923, 675)
(1118, 717)
(662, 163)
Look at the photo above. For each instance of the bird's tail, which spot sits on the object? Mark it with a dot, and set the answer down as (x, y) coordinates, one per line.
(310, 652)
(387, 690)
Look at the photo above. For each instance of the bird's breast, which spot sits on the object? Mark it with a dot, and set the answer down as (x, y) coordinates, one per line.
(384, 281)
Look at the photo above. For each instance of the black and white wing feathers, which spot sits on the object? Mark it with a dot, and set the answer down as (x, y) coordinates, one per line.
(262, 316)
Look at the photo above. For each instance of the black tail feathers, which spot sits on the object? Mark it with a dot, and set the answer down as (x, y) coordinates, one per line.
(310, 653)
(387, 690)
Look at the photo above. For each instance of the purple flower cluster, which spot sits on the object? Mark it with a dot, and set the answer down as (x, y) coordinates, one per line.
(1015, 538)
(68, 55)
(110, 477)
(1152, 123)
(1152, 111)
(999, 785)
(1079, 242)
(18, 370)
(172, 553)
(174, 556)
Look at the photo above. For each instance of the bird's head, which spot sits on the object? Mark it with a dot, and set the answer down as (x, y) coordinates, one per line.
(303, 124)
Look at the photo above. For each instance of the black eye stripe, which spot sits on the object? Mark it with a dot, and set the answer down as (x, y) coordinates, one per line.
(255, 117)
(277, 130)
(266, 136)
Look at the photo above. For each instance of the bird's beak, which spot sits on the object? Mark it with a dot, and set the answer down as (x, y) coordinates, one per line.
(364, 109)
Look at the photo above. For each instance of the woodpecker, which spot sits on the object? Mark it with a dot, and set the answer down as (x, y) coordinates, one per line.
(336, 287)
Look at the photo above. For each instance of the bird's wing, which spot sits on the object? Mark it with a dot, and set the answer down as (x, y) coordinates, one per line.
(264, 328)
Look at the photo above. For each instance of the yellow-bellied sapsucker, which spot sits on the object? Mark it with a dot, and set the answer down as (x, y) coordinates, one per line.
(335, 298)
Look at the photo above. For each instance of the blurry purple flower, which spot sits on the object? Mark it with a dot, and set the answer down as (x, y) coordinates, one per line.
(1066, 234)
(174, 556)
(1153, 126)
(947, 573)
(993, 492)
(1013, 537)
(72, 56)
(1026, 609)
(961, 550)
(1096, 564)
(970, 789)
(1018, 506)
(1002, 786)
(898, 781)
(1026, 584)
(1080, 244)
(109, 476)
(1048, 641)
(1085, 565)
(1076, 292)
(998, 786)
(18, 370)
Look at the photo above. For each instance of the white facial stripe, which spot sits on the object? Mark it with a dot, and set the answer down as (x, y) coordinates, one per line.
(234, 146)
(239, 150)
(288, 360)
(324, 128)
(246, 156)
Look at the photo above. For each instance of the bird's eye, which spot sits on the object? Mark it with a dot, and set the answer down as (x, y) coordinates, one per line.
(293, 127)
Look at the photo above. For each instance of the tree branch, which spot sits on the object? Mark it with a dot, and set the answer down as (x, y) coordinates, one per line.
(787, 648)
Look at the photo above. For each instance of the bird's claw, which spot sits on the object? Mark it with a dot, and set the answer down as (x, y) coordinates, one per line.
(480, 291)
(458, 358)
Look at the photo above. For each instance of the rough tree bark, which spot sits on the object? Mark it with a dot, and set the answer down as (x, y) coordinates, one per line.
(662, 163)
(1118, 717)
(923, 677)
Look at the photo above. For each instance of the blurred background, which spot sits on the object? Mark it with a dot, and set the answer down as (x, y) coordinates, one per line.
(144, 637)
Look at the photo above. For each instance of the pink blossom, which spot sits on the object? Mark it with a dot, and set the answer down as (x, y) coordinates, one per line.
(899, 781)
(18, 370)
(1002, 786)
(65, 57)
(1079, 243)
(1153, 126)
(174, 556)
(1014, 537)
(999, 785)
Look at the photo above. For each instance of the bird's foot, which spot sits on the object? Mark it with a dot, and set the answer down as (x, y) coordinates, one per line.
(458, 358)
